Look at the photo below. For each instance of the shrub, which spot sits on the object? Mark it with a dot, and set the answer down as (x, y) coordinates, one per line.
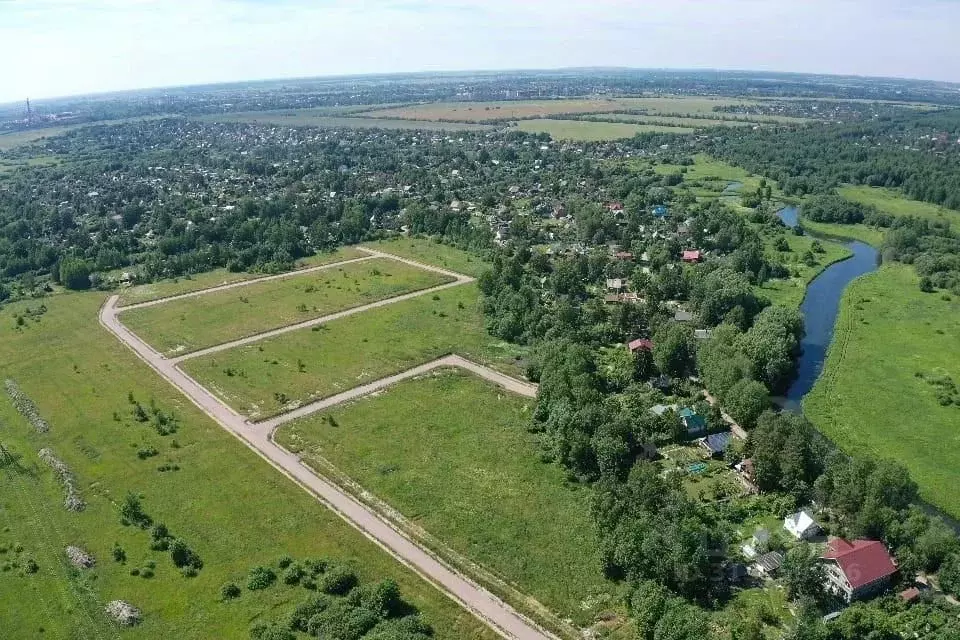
(31, 566)
(293, 574)
(229, 591)
(131, 512)
(260, 578)
(185, 557)
(270, 631)
(300, 616)
(285, 562)
(338, 581)
(119, 555)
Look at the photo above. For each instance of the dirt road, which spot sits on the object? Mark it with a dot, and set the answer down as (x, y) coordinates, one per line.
(513, 385)
(497, 614)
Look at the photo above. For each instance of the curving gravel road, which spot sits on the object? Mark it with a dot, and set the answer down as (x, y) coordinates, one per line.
(500, 616)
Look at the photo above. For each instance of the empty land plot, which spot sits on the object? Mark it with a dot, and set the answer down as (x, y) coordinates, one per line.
(669, 121)
(430, 252)
(790, 291)
(591, 131)
(218, 277)
(232, 508)
(451, 452)
(896, 204)
(264, 379)
(522, 109)
(312, 118)
(887, 385)
(486, 111)
(188, 324)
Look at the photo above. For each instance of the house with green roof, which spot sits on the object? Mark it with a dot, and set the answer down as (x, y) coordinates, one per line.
(695, 424)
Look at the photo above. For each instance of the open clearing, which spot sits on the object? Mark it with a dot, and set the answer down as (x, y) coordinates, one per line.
(479, 486)
(523, 109)
(895, 203)
(230, 506)
(671, 121)
(11, 140)
(870, 397)
(263, 379)
(870, 235)
(182, 326)
(433, 253)
(324, 119)
(790, 291)
(589, 131)
(166, 288)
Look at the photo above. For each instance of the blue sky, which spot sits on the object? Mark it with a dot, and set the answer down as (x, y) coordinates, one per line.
(65, 47)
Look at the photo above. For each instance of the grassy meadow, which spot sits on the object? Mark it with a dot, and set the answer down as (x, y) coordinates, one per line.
(185, 325)
(592, 131)
(870, 235)
(790, 291)
(434, 253)
(266, 378)
(230, 506)
(895, 203)
(478, 487)
(878, 391)
(186, 284)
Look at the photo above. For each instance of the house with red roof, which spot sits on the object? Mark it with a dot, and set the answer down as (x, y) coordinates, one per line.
(640, 343)
(692, 256)
(857, 570)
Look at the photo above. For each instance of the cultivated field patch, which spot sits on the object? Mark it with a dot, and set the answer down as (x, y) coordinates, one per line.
(591, 131)
(451, 453)
(271, 376)
(889, 384)
(188, 324)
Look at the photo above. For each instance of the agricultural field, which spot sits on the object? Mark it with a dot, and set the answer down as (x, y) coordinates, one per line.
(888, 383)
(670, 121)
(11, 140)
(428, 251)
(895, 203)
(590, 131)
(479, 487)
(524, 109)
(321, 117)
(266, 378)
(176, 286)
(188, 324)
(232, 508)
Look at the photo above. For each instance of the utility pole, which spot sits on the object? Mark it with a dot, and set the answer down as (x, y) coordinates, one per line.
(29, 112)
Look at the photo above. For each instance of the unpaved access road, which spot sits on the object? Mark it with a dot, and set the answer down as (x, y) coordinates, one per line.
(500, 616)
(513, 385)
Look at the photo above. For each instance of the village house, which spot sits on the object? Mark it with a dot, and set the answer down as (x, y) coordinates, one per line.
(660, 409)
(692, 256)
(683, 316)
(801, 525)
(716, 443)
(857, 570)
(640, 344)
(695, 424)
(767, 565)
(615, 284)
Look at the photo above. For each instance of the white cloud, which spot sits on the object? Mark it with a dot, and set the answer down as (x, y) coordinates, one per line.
(74, 46)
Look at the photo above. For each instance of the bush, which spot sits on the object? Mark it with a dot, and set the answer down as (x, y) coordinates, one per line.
(285, 562)
(293, 574)
(183, 556)
(229, 591)
(260, 578)
(300, 616)
(31, 566)
(338, 581)
(270, 631)
(119, 555)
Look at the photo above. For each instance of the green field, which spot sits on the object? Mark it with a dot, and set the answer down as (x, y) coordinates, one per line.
(434, 253)
(185, 325)
(231, 507)
(323, 118)
(588, 131)
(895, 203)
(870, 396)
(861, 232)
(478, 486)
(11, 140)
(265, 378)
(790, 291)
(670, 121)
(217, 277)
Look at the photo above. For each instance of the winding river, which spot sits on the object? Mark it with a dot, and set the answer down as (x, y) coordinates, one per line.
(820, 308)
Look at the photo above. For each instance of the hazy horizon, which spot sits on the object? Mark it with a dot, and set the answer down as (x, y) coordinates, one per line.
(76, 47)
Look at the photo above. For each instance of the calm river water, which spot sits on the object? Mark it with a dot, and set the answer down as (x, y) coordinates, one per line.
(820, 308)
